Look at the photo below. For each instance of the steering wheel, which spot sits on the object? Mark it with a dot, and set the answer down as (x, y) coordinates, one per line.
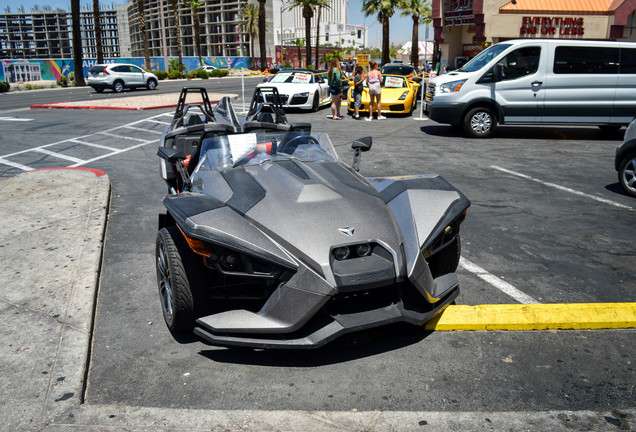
(292, 144)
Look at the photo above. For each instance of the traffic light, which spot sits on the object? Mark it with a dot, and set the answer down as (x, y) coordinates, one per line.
(284, 51)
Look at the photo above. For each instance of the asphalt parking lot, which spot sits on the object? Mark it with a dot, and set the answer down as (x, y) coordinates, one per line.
(548, 224)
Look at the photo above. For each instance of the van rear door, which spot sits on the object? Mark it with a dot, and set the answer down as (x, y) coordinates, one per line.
(581, 83)
(519, 92)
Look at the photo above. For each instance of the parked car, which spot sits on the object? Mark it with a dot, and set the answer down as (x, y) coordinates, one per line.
(118, 76)
(625, 160)
(208, 68)
(269, 240)
(538, 81)
(403, 70)
(398, 96)
(299, 88)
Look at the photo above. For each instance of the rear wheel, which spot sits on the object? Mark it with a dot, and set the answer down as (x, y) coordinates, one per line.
(480, 122)
(627, 174)
(179, 283)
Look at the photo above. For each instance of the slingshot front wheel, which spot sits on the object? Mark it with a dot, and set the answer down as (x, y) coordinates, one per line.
(175, 291)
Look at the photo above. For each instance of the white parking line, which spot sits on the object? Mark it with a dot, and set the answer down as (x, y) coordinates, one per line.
(15, 165)
(14, 119)
(563, 188)
(122, 137)
(493, 280)
(159, 121)
(112, 154)
(142, 129)
(58, 155)
(93, 145)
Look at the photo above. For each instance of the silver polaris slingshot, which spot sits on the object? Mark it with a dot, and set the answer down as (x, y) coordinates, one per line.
(270, 240)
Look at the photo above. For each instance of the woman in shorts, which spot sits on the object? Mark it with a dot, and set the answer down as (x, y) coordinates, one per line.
(374, 82)
(334, 78)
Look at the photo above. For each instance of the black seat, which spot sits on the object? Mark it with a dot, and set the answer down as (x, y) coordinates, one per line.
(194, 119)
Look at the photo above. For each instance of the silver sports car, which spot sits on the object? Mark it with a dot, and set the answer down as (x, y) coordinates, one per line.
(271, 241)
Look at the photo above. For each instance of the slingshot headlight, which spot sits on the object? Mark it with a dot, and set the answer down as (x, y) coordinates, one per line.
(341, 253)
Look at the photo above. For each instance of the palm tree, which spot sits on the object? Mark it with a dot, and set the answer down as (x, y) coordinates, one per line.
(98, 32)
(417, 9)
(308, 13)
(299, 44)
(142, 28)
(249, 22)
(261, 33)
(177, 26)
(77, 44)
(318, 31)
(194, 5)
(384, 10)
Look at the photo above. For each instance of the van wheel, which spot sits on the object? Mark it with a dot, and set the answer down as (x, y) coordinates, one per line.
(627, 174)
(480, 122)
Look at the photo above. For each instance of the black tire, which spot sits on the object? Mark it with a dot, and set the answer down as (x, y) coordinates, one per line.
(446, 260)
(316, 104)
(118, 86)
(627, 174)
(151, 84)
(480, 122)
(178, 282)
(99, 89)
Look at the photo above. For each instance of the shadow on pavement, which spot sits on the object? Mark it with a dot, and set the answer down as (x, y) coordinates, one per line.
(532, 132)
(346, 348)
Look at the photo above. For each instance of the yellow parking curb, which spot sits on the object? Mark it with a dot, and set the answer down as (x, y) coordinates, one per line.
(565, 316)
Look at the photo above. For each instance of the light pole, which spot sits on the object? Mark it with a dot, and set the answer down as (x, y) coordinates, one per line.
(282, 58)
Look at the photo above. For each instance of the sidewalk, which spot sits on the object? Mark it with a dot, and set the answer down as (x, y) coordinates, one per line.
(51, 229)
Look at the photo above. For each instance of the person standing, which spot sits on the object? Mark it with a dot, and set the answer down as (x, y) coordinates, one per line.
(374, 82)
(358, 88)
(335, 88)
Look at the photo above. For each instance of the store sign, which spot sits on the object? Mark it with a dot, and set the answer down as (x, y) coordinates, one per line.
(459, 12)
(551, 26)
(471, 50)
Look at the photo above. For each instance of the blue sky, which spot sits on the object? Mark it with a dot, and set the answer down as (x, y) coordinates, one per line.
(400, 27)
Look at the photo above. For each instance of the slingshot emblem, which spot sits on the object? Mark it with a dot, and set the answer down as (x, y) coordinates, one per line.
(348, 231)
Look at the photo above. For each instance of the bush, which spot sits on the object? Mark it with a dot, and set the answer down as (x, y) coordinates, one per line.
(202, 74)
(71, 77)
(161, 74)
(175, 75)
(4, 86)
(62, 81)
(191, 75)
(217, 73)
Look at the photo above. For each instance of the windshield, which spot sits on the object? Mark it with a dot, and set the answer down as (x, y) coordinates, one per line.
(293, 77)
(228, 151)
(483, 58)
(398, 70)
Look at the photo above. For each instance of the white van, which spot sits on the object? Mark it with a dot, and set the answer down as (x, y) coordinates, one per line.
(538, 81)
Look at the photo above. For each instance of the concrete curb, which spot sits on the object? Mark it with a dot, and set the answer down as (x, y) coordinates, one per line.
(561, 316)
(89, 418)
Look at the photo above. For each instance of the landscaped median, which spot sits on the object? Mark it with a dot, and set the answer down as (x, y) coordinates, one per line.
(561, 316)
(145, 102)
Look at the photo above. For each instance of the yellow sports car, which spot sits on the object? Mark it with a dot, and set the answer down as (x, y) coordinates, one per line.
(398, 95)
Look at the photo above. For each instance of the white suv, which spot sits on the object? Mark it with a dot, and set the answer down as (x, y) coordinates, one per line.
(117, 76)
